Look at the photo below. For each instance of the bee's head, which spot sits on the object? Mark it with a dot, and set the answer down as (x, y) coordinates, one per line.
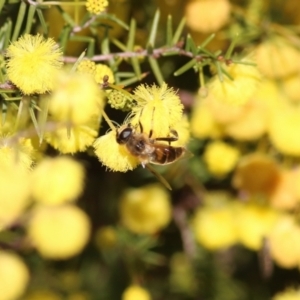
(124, 133)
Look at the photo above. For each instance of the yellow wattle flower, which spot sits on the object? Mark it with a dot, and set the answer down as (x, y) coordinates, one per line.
(158, 109)
(14, 192)
(207, 15)
(14, 276)
(203, 124)
(102, 70)
(76, 98)
(136, 292)
(96, 6)
(220, 157)
(238, 90)
(214, 227)
(62, 175)
(283, 129)
(254, 223)
(145, 210)
(256, 174)
(284, 242)
(113, 155)
(58, 232)
(80, 138)
(33, 63)
(277, 58)
(86, 66)
(251, 124)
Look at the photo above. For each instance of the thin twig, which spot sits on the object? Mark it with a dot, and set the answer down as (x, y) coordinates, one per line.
(143, 53)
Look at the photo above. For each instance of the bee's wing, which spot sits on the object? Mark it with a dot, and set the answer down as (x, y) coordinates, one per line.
(160, 177)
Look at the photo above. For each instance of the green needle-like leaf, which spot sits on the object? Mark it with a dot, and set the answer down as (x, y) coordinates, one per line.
(86, 39)
(106, 50)
(7, 29)
(42, 117)
(1, 4)
(131, 35)
(119, 44)
(207, 40)
(190, 45)
(114, 19)
(154, 28)
(169, 31)
(156, 70)
(63, 38)
(125, 74)
(185, 67)
(80, 58)
(219, 70)
(69, 20)
(132, 80)
(42, 21)
(20, 18)
(178, 32)
(30, 16)
(34, 120)
(136, 66)
(231, 47)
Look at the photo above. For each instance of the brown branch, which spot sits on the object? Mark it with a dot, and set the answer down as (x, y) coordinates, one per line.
(143, 53)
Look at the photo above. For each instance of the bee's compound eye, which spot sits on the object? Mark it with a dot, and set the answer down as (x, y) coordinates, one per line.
(124, 135)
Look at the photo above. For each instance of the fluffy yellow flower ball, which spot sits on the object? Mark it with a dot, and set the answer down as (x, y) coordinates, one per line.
(223, 112)
(96, 6)
(113, 155)
(284, 126)
(102, 70)
(207, 15)
(290, 87)
(158, 108)
(14, 192)
(76, 98)
(145, 210)
(136, 292)
(21, 153)
(238, 89)
(254, 222)
(203, 124)
(86, 66)
(33, 63)
(284, 195)
(251, 124)
(62, 176)
(220, 157)
(284, 242)
(277, 58)
(256, 173)
(183, 130)
(14, 276)
(214, 227)
(58, 232)
(80, 138)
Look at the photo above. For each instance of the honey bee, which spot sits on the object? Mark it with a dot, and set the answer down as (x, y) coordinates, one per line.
(149, 150)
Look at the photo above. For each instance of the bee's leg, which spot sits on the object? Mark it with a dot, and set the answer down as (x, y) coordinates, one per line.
(169, 139)
(143, 164)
